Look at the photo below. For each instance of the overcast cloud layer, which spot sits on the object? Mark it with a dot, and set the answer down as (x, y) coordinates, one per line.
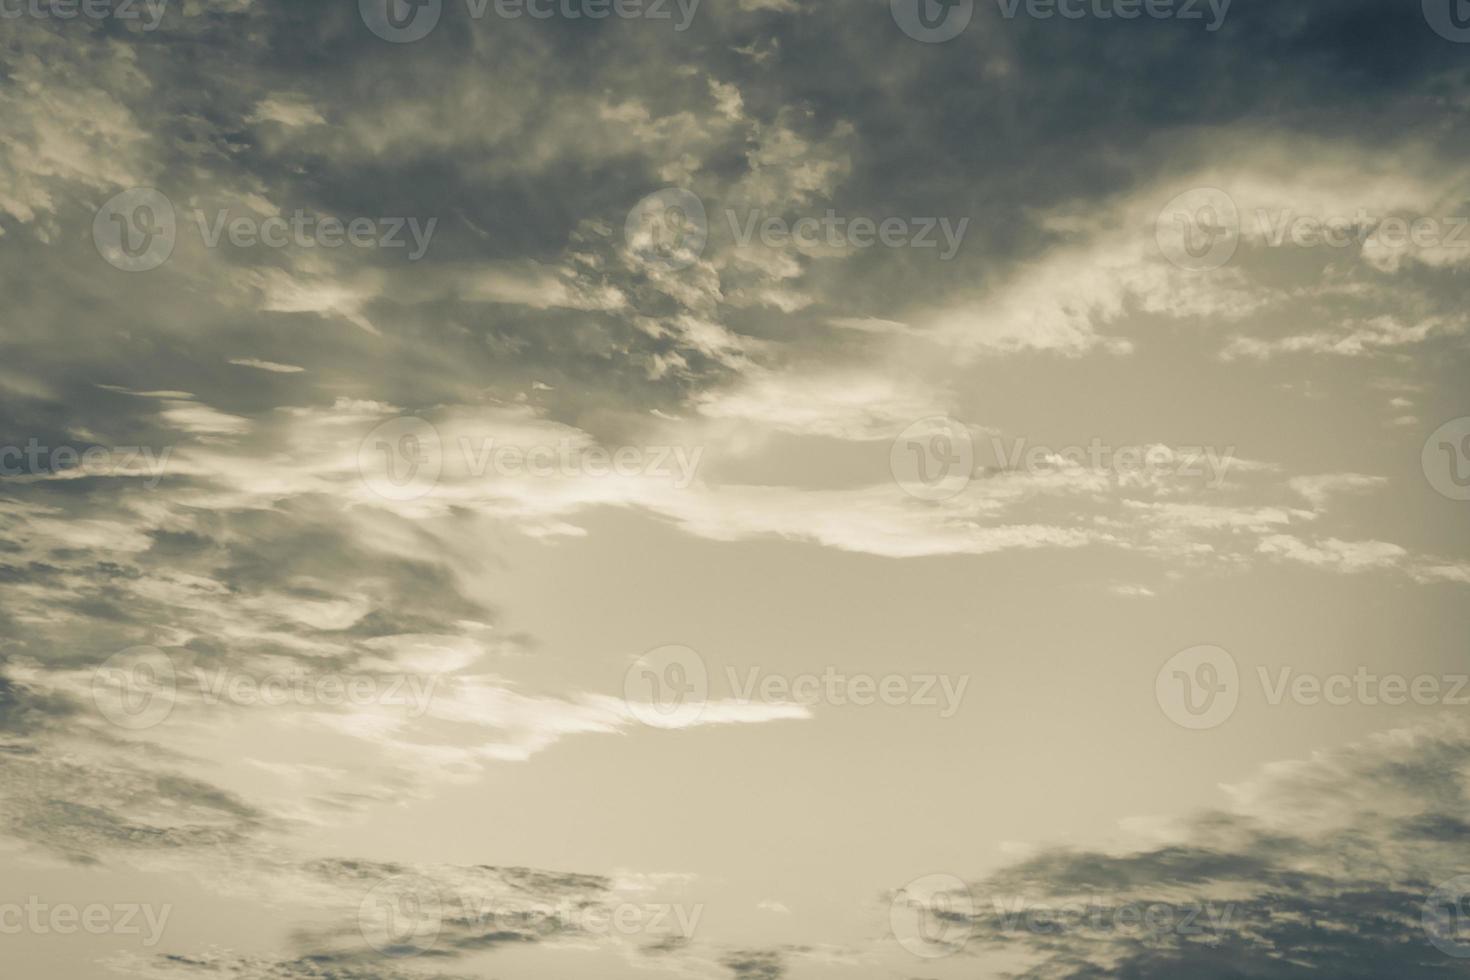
(750, 489)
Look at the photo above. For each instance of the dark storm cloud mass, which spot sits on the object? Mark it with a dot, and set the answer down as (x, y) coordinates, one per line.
(1321, 867)
(756, 965)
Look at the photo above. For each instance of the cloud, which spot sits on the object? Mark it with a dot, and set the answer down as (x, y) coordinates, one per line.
(1320, 864)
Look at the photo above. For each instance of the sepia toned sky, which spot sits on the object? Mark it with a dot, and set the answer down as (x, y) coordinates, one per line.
(756, 489)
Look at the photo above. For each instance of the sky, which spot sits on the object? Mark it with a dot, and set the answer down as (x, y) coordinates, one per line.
(734, 490)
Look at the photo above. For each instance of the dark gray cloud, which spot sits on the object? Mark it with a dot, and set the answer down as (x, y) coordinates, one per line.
(1326, 867)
